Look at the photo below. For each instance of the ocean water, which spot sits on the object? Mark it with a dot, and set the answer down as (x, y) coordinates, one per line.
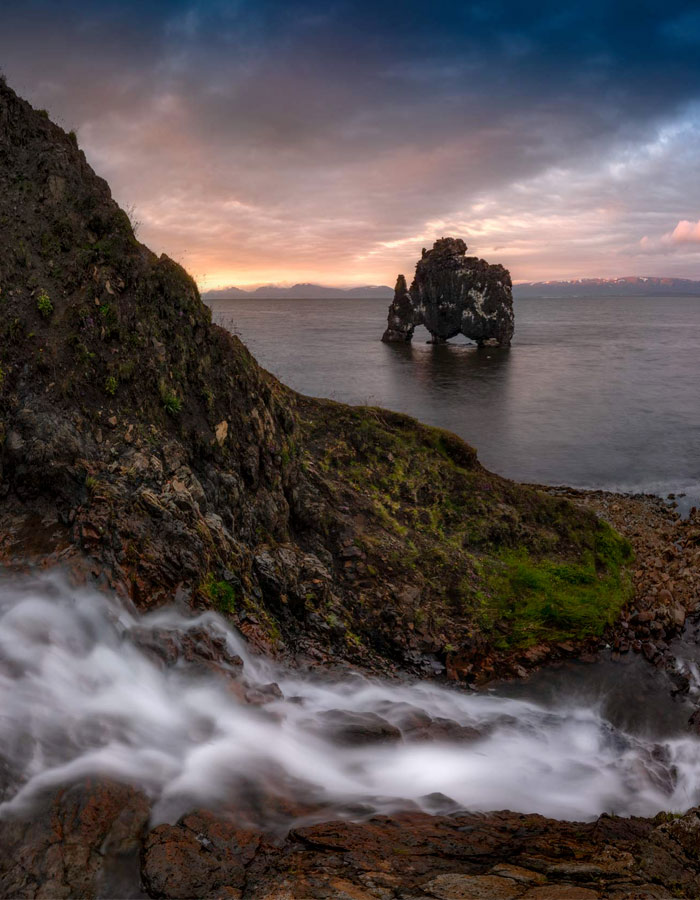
(594, 393)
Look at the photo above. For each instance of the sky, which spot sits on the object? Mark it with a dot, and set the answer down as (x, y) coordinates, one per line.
(275, 141)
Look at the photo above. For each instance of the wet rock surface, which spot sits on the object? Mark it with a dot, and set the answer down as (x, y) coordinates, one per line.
(452, 294)
(95, 840)
(84, 841)
(102, 839)
(355, 729)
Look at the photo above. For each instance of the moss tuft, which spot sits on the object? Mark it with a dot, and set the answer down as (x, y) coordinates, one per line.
(221, 594)
(171, 403)
(44, 304)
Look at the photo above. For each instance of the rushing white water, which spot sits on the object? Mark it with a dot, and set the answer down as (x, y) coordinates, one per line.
(81, 694)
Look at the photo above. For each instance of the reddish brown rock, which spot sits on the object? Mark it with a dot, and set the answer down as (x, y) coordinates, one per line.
(473, 887)
(85, 841)
(93, 841)
(202, 857)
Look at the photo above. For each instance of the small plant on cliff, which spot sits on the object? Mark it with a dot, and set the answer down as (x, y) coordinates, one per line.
(44, 304)
(221, 593)
(111, 385)
(172, 403)
(208, 396)
(133, 221)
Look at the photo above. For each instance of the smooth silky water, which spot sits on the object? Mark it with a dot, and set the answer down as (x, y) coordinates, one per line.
(81, 696)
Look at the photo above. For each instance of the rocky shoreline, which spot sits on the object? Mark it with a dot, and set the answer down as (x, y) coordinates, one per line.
(665, 574)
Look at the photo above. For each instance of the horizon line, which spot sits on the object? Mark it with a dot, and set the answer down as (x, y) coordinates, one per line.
(345, 286)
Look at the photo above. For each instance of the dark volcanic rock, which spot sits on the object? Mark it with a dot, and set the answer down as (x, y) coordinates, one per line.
(94, 841)
(452, 294)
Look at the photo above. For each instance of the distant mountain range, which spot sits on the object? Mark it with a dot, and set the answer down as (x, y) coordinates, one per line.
(632, 286)
(301, 292)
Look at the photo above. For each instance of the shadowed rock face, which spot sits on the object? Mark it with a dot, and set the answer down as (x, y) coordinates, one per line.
(452, 294)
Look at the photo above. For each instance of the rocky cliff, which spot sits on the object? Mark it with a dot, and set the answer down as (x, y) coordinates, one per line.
(452, 294)
(144, 449)
(145, 442)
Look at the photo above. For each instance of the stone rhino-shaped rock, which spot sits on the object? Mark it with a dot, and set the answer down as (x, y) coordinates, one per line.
(451, 294)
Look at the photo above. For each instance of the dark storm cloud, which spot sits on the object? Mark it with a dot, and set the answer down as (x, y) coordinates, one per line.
(264, 140)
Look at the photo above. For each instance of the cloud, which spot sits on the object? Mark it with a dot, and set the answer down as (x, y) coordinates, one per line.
(263, 140)
(685, 232)
(682, 238)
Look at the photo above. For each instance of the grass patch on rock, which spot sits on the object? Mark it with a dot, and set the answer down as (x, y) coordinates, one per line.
(491, 563)
(548, 600)
(221, 594)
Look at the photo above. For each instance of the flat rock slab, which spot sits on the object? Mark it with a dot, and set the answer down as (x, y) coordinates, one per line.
(473, 887)
(94, 840)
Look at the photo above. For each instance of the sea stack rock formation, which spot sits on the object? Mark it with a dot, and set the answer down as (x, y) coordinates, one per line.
(452, 294)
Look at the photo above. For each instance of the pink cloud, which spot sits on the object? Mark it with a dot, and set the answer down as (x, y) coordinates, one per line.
(683, 236)
(685, 232)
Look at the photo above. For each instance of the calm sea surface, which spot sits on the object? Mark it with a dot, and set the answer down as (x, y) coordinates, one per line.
(593, 393)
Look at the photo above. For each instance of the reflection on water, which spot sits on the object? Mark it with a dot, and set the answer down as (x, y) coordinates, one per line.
(593, 393)
(443, 367)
